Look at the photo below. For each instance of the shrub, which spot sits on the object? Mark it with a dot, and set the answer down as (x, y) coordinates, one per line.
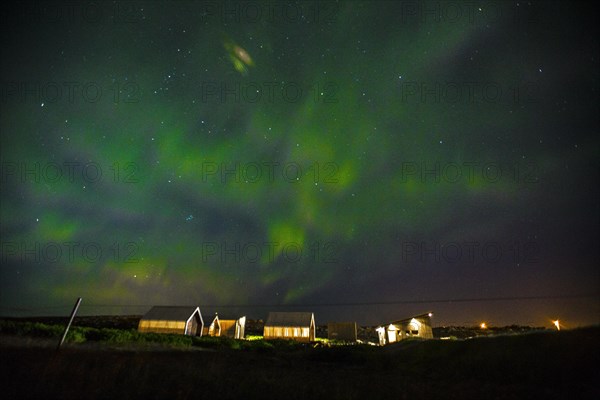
(215, 342)
(162, 338)
(8, 327)
(258, 345)
(76, 335)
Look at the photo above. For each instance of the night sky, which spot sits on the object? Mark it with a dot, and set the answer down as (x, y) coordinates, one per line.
(363, 160)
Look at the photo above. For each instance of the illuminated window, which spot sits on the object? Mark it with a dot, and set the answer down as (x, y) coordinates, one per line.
(414, 326)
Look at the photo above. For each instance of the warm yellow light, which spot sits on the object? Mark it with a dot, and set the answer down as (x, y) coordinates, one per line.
(483, 325)
(556, 324)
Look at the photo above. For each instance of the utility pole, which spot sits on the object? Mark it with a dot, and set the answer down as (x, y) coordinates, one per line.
(64, 336)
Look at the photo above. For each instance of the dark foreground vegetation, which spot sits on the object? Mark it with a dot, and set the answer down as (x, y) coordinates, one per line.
(100, 363)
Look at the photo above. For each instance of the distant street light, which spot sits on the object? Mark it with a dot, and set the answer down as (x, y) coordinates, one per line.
(556, 324)
(483, 325)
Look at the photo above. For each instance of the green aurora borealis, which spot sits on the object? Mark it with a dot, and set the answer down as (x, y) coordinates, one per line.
(198, 168)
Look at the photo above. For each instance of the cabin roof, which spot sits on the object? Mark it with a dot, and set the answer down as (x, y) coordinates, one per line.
(209, 318)
(289, 319)
(399, 321)
(171, 313)
(229, 317)
(222, 317)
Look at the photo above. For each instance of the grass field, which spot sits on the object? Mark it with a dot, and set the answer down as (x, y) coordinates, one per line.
(541, 365)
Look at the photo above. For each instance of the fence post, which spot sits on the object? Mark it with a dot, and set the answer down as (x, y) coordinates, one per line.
(64, 336)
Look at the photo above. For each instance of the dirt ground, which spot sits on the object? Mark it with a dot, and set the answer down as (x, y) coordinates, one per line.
(537, 365)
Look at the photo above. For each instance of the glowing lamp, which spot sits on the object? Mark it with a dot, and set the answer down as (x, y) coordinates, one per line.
(556, 324)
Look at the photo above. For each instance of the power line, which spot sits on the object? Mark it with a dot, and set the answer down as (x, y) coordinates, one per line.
(349, 304)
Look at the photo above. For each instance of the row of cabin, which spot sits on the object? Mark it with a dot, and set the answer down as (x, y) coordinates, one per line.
(189, 321)
(299, 326)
